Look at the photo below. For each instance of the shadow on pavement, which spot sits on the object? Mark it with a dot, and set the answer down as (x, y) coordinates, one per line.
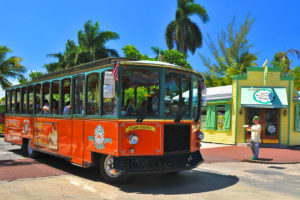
(186, 182)
(16, 162)
(192, 181)
(60, 164)
(265, 159)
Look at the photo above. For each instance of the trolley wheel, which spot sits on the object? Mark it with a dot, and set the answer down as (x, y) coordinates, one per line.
(107, 171)
(31, 153)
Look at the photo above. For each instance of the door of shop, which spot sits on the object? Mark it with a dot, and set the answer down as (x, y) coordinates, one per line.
(269, 120)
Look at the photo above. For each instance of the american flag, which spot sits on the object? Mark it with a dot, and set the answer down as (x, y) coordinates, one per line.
(114, 73)
(159, 56)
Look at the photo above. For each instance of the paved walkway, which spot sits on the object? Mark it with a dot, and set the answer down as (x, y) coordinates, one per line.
(241, 153)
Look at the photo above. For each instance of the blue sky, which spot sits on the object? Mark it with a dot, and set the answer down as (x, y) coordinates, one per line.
(33, 29)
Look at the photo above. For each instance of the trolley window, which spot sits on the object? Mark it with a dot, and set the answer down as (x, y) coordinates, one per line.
(93, 96)
(140, 93)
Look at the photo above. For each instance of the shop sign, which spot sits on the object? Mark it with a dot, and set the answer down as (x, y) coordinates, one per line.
(264, 96)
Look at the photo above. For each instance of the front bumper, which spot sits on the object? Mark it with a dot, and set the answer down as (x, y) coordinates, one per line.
(157, 164)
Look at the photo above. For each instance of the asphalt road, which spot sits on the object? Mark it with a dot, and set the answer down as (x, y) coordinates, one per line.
(53, 178)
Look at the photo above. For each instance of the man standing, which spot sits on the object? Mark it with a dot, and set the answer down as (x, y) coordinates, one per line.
(255, 137)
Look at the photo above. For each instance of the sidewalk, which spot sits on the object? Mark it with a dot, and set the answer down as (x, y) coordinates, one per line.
(229, 153)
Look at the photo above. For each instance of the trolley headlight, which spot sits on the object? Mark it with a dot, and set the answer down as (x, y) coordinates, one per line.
(200, 135)
(133, 139)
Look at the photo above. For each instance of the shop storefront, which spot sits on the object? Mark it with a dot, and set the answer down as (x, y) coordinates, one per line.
(265, 94)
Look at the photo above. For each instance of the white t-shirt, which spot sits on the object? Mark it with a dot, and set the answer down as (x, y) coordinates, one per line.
(255, 133)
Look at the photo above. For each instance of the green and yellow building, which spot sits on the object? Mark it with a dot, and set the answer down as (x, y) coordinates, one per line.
(259, 92)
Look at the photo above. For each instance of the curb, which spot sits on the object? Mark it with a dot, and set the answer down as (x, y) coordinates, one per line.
(268, 162)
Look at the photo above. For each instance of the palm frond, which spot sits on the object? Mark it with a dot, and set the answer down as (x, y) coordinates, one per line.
(198, 10)
(170, 34)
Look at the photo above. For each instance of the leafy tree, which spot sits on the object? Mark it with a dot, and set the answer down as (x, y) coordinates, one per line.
(182, 31)
(2, 103)
(32, 75)
(296, 73)
(231, 54)
(175, 57)
(281, 59)
(91, 46)
(130, 51)
(9, 67)
(171, 56)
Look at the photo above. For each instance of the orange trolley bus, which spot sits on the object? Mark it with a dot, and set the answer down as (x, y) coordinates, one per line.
(145, 119)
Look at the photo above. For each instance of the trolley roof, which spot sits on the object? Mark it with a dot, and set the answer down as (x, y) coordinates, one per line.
(102, 63)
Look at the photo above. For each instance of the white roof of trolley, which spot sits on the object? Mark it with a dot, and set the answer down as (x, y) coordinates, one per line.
(221, 92)
(158, 64)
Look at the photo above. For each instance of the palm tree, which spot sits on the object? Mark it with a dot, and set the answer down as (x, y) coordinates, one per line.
(9, 67)
(184, 32)
(281, 59)
(92, 41)
(91, 46)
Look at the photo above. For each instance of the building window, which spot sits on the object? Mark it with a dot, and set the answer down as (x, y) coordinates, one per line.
(218, 117)
(297, 118)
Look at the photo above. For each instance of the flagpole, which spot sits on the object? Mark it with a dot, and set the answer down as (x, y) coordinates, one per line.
(265, 66)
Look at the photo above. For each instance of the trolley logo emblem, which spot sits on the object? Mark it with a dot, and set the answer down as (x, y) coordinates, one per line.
(26, 127)
(99, 139)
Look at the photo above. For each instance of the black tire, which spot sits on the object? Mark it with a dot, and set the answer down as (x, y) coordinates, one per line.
(30, 152)
(106, 167)
(24, 146)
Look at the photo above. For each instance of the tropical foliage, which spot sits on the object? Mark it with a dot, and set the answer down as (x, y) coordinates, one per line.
(171, 56)
(296, 73)
(32, 75)
(282, 60)
(231, 54)
(182, 31)
(9, 67)
(91, 46)
(131, 51)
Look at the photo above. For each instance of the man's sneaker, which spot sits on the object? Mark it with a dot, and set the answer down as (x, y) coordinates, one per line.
(254, 158)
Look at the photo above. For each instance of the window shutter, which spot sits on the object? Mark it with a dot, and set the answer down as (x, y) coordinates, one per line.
(227, 116)
(213, 117)
(208, 116)
(297, 118)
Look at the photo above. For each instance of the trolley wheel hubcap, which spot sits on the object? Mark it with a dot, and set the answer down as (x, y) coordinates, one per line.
(109, 167)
